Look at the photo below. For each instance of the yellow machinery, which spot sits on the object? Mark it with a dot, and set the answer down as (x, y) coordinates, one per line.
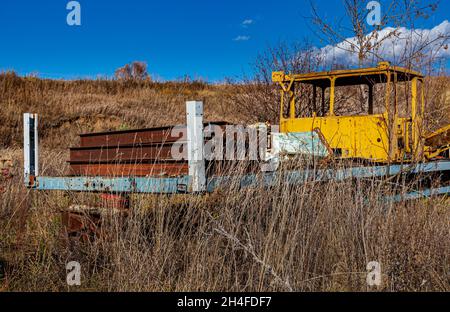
(383, 133)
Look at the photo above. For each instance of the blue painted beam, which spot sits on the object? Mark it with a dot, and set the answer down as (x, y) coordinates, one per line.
(181, 184)
(302, 176)
(119, 185)
(419, 194)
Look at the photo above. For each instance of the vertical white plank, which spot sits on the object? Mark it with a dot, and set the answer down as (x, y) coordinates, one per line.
(30, 146)
(26, 147)
(36, 145)
(194, 120)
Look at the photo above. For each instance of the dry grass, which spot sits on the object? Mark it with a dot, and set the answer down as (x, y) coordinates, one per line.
(70, 108)
(309, 237)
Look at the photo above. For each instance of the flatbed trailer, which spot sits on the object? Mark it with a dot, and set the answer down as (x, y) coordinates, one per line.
(198, 181)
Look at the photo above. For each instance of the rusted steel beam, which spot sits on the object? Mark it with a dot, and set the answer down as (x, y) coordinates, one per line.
(138, 136)
(137, 170)
(128, 153)
(140, 152)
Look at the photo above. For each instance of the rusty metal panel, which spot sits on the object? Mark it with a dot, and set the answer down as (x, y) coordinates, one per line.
(140, 152)
(137, 169)
(138, 136)
(130, 137)
(146, 152)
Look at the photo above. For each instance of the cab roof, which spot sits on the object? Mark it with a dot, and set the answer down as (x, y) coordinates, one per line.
(349, 77)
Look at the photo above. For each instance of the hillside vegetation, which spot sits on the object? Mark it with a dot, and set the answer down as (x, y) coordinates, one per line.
(310, 237)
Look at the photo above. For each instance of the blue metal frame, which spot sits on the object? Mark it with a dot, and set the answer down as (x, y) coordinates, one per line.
(419, 194)
(181, 184)
(113, 185)
(185, 184)
(301, 176)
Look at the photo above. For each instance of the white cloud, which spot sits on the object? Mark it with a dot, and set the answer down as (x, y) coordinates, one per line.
(247, 22)
(431, 42)
(242, 38)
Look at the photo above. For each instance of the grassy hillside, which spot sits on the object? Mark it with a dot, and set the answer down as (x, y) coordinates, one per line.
(69, 108)
(311, 237)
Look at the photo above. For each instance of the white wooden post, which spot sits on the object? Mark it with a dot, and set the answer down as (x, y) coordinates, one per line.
(30, 148)
(194, 121)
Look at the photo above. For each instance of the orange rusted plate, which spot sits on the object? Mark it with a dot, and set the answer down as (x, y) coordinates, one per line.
(130, 137)
(138, 170)
(139, 136)
(140, 152)
(128, 153)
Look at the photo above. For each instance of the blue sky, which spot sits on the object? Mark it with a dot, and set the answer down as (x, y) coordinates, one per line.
(175, 38)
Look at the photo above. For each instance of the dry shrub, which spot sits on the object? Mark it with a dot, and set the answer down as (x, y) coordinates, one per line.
(134, 71)
(258, 99)
(437, 101)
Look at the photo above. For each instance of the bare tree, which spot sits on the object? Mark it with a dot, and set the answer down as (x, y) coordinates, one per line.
(356, 36)
(134, 71)
(257, 98)
(396, 39)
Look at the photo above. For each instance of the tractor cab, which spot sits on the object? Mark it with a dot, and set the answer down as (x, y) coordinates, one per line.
(371, 113)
